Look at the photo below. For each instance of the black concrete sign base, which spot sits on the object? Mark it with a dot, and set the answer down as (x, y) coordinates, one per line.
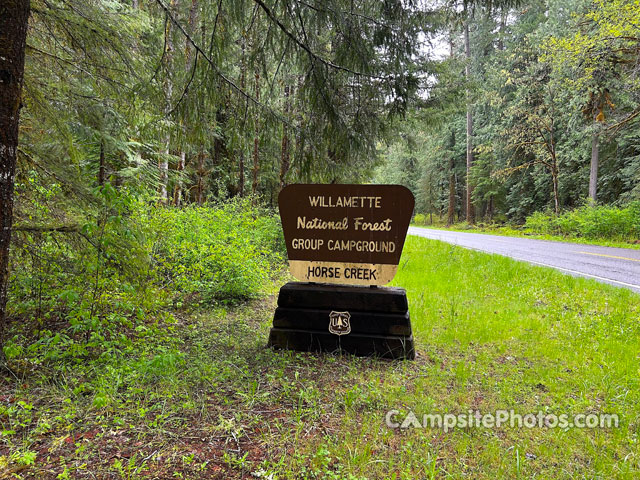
(363, 321)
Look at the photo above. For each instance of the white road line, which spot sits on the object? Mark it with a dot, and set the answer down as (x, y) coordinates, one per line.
(583, 274)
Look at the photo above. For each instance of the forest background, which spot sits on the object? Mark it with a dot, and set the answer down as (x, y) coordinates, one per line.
(155, 136)
(140, 188)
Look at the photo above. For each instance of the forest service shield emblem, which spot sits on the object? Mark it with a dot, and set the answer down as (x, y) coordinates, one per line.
(339, 323)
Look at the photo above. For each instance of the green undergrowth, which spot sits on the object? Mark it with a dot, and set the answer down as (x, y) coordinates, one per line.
(129, 249)
(620, 224)
(595, 225)
(209, 400)
(94, 307)
(90, 293)
(215, 253)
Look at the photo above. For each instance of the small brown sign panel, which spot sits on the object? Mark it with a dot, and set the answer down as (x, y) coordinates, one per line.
(349, 234)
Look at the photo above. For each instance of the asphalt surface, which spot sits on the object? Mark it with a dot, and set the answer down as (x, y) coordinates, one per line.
(616, 266)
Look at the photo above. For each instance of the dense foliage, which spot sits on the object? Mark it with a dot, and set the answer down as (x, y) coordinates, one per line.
(554, 97)
(132, 108)
(591, 222)
(92, 287)
(203, 100)
(228, 252)
(155, 136)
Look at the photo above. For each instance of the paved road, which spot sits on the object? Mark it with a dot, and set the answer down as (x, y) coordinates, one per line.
(617, 266)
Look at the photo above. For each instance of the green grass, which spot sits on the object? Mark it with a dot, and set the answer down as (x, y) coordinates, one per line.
(510, 231)
(508, 335)
(491, 333)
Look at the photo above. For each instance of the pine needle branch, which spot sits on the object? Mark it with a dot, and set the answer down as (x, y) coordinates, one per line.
(215, 68)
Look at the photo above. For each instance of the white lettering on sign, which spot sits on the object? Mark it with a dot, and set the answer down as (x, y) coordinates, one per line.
(307, 243)
(351, 202)
(361, 246)
(319, 224)
(384, 226)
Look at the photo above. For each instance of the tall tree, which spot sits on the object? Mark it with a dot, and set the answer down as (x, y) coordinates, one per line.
(471, 9)
(595, 58)
(471, 215)
(451, 209)
(163, 159)
(190, 64)
(14, 19)
(284, 148)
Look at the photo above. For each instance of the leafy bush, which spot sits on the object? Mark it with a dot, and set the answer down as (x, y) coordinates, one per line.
(128, 253)
(95, 289)
(226, 251)
(419, 219)
(86, 267)
(592, 222)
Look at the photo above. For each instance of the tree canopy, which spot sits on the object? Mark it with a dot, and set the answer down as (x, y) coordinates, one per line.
(553, 94)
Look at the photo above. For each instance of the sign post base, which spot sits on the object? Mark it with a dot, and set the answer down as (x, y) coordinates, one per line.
(331, 318)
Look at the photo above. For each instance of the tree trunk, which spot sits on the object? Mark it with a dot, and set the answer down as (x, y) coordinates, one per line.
(163, 161)
(201, 173)
(241, 175)
(102, 168)
(451, 211)
(299, 140)
(256, 147)
(193, 14)
(177, 191)
(593, 173)
(551, 147)
(284, 150)
(503, 24)
(219, 142)
(430, 199)
(490, 208)
(471, 218)
(452, 193)
(243, 81)
(163, 168)
(256, 168)
(14, 20)
(556, 201)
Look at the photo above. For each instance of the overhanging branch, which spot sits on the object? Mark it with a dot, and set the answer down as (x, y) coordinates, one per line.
(215, 68)
(314, 56)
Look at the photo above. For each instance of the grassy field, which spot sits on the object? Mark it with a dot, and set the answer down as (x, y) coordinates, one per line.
(491, 333)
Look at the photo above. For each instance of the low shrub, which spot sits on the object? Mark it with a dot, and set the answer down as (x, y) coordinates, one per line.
(95, 288)
(217, 252)
(419, 219)
(591, 222)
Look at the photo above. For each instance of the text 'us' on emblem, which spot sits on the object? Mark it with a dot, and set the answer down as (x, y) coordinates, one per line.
(340, 323)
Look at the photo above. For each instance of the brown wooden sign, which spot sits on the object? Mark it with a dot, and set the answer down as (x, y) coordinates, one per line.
(349, 234)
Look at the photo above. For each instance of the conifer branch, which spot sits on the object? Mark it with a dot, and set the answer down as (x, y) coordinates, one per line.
(314, 56)
(215, 68)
